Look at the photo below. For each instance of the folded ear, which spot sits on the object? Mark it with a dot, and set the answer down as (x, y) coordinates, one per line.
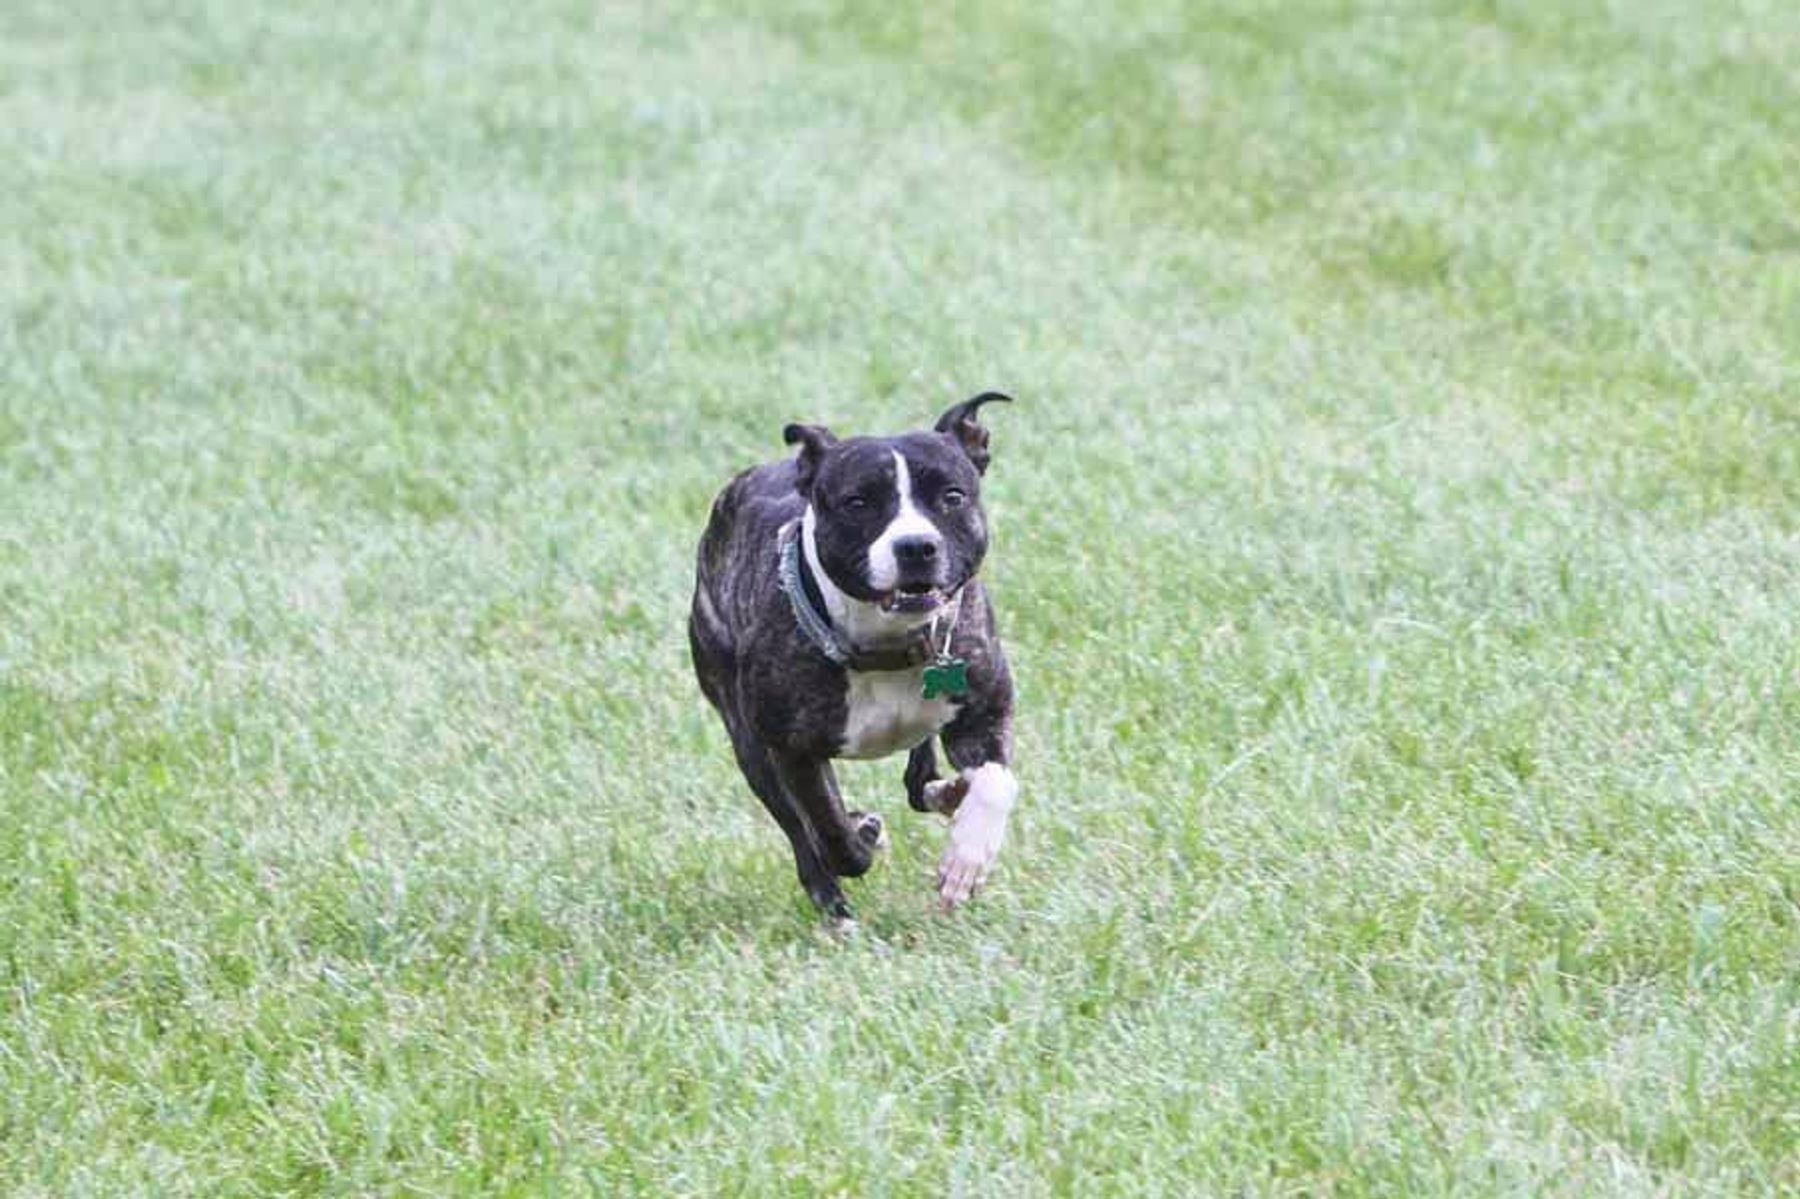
(960, 422)
(813, 441)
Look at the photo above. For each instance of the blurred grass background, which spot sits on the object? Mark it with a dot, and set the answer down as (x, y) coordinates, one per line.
(1395, 539)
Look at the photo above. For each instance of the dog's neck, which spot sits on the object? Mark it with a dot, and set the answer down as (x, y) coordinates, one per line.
(855, 621)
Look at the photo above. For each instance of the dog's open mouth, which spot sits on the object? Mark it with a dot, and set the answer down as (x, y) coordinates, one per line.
(913, 598)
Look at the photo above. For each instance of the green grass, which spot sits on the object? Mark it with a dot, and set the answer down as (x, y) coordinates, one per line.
(1397, 543)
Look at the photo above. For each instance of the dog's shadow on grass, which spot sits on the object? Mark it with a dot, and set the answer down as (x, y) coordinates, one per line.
(762, 905)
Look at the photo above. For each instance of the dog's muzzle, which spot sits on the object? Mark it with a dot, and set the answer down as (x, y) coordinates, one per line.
(920, 566)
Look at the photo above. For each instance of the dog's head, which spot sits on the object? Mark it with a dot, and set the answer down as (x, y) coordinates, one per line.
(897, 521)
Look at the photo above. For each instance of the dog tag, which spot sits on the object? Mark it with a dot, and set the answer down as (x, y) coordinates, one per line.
(947, 677)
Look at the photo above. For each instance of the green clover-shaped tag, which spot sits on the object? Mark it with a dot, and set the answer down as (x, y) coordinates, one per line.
(947, 677)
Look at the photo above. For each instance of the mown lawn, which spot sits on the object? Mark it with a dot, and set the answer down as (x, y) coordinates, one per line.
(1398, 543)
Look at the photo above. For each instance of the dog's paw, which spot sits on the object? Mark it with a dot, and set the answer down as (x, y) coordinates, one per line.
(871, 830)
(976, 834)
(945, 795)
(836, 919)
(969, 858)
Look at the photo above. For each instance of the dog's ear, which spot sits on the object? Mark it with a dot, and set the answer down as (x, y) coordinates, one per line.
(960, 422)
(813, 441)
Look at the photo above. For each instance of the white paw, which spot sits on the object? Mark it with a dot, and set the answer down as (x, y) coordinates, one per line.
(965, 867)
(976, 833)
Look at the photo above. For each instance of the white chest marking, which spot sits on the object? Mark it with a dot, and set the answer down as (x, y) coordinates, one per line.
(887, 713)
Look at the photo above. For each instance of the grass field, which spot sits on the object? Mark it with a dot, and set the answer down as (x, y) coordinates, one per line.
(1396, 541)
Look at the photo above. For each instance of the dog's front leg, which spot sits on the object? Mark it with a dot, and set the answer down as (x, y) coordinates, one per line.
(979, 744)
(848, 839)
(925, 791)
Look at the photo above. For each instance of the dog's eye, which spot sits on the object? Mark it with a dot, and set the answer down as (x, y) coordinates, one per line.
(856, 503)
(955, 497)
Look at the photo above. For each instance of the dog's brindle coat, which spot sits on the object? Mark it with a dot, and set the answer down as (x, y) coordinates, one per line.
(891, 534)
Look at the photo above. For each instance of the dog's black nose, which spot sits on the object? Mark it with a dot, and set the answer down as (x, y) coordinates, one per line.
(915, 550)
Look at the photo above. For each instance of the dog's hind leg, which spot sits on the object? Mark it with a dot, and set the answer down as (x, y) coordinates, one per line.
(925, 791)
(759, 770)
(849, 840)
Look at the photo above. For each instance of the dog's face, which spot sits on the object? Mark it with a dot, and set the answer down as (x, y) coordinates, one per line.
(897, 521)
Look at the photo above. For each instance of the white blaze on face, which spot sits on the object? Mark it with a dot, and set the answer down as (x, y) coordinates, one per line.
(978, 829)
(884, 568)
